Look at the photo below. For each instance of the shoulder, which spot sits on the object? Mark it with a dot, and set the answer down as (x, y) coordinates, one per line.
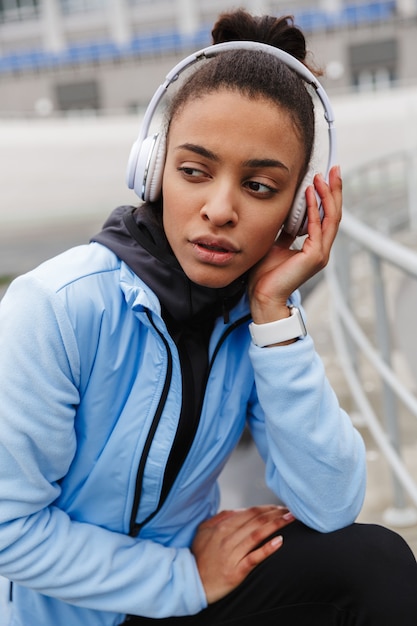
(82, 279)
(74, 265)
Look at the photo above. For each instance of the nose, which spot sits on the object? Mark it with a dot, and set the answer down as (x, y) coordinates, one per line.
(220, 207)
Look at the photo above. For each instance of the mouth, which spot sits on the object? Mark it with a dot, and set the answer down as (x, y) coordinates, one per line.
(207, 246)
(215, 246)
(214, 252)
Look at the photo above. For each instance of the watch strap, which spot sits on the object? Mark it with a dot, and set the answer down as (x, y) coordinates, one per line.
(291, 327)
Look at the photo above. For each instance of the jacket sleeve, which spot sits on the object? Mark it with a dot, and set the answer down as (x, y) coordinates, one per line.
(315, 458)
(40, 545)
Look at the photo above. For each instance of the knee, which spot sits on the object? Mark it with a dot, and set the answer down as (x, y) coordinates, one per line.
(384, 580)
(358, 556)
(377, 544)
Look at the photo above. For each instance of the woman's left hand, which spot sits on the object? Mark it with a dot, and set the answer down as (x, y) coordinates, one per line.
(228, 546)
(283, 270)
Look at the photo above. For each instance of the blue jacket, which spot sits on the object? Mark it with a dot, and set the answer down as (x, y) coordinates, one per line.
(87, 369)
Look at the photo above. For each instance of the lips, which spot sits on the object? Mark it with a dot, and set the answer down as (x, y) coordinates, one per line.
(215, 246)
(216, 252)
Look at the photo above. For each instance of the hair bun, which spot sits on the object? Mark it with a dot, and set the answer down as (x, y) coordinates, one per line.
(279, 32)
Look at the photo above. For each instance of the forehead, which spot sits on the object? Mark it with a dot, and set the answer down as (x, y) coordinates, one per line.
(224, 102)
(252, 124)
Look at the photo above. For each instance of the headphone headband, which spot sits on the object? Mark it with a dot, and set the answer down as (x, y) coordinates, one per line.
(145, 157)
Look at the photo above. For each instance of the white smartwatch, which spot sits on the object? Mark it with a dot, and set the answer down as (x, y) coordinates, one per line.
(291, 327)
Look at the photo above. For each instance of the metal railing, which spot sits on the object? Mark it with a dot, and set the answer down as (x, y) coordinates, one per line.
(374, 258)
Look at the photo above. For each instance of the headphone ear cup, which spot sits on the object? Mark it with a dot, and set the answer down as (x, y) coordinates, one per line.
(296, 222)
(145, 167)
(153, 183)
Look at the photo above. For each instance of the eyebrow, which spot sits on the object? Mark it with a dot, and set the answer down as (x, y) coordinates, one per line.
(192, 147)
(265, 163)
(255, 163)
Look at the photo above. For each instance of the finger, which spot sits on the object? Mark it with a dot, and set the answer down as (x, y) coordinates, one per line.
(261, 514)
(253, 512)
(258, 530)
(313, 213)
(331, 201)
(256, 557)
(238, 523)
(314, 223)
(336, 187)
(330, 193)
(335, 179)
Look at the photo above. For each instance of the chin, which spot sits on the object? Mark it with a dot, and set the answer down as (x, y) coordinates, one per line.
(211, 282)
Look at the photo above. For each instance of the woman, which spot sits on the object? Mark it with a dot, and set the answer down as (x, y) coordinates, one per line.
(128, 375)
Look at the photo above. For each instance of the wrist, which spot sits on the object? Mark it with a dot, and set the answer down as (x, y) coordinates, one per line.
(265, 310)
(269, 313)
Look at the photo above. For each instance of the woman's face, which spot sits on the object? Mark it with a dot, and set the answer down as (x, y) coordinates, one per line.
(230, 176)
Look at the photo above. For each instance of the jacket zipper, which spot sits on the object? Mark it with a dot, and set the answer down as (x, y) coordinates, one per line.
(134, 526)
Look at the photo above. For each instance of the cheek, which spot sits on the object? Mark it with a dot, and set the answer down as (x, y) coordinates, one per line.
(169, 206)
(174, 223)
(265, 237)
(169, 225)
(173, 208)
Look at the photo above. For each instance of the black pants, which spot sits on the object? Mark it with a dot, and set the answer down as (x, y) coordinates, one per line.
(362, 575)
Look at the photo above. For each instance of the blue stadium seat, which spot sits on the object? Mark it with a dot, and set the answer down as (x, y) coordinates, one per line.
(166, 41)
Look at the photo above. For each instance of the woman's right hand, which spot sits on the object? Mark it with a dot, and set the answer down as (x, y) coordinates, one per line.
(284, 269)
(228, 546)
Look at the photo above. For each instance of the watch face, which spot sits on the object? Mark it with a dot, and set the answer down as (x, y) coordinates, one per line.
(303, 329)
(286, 329)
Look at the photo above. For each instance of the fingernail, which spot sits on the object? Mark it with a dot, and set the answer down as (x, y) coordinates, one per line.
(277, 541)
(288, 516)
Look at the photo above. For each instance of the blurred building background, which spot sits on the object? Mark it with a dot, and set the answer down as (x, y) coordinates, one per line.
(108, 56)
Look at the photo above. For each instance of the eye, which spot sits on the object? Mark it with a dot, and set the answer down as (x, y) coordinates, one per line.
(260, 189)
(189, 171)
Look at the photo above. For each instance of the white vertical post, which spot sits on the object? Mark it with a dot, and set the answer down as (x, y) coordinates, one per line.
(331, 6)
(187, 16)
(52, 30)
(406, 8)
(259, 7)
(412, 188)
(118, 20)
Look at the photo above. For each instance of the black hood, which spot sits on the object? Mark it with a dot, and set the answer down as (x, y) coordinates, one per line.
(137, 238)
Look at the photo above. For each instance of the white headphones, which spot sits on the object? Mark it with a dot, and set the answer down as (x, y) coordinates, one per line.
(147, 156)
